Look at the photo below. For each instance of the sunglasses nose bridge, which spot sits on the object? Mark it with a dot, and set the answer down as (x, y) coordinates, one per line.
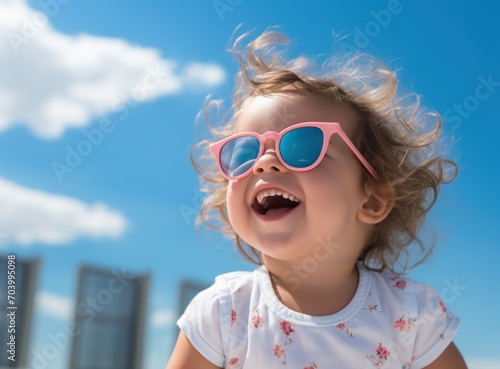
(269, 160)
(269, 140)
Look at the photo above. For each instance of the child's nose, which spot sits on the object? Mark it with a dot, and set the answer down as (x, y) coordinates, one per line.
(269, 161)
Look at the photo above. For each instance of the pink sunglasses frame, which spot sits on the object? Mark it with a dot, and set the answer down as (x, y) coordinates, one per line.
(328, 129)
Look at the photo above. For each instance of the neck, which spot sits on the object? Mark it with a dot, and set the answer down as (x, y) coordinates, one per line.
(317, 289)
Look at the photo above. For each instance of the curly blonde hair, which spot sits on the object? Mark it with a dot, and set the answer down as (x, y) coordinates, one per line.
(396, 135)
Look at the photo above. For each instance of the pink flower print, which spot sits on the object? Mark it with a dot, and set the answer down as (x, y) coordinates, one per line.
(382, 352)
(279, 352)
(400, 324)
(443, 307)
(233, 317)
(404, 324)
(287, 329)
(257, 319)
(233, 363)
(343, 327)
(382, 355)
(400, 284)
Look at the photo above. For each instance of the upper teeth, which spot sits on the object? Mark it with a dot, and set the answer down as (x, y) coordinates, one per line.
(262, 195)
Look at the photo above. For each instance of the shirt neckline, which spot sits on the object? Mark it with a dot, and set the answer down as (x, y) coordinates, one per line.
(281, 311)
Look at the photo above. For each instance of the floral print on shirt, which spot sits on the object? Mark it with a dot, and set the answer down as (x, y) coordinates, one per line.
(287, 329)
(343, 328)
(372, 308)
(400, 284)
(279, 352)
(233, 363)
(404, 325)
(233, 317)
(257, 319)
(443, 307)
(285, 333)
(380, 357)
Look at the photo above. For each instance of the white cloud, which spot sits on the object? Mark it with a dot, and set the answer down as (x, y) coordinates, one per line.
(28, 216)
(162, 318)
(203, 74)
(479, 363)
(54, 305)
(52, 81)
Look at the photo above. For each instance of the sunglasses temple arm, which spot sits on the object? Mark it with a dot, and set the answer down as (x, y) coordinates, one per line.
(358, 155)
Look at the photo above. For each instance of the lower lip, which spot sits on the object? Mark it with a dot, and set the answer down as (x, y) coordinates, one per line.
(275, 216)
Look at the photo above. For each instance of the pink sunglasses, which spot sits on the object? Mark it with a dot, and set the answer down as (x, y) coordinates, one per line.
(299, 147)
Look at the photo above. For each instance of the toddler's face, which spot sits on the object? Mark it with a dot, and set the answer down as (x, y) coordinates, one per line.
(290, 215)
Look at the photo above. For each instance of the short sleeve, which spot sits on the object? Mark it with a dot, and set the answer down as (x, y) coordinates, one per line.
(201, 325)
(436, 326)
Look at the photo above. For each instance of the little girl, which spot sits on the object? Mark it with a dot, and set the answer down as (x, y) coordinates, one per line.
(324, 181)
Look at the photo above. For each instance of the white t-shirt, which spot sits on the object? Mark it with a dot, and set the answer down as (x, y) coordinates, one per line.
(392, 322)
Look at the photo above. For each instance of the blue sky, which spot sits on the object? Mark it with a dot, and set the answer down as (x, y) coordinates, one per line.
(138, 72)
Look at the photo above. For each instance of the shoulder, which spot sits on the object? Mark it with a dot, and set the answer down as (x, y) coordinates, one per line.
(420, 311)
(236, 289)
(391, 282)
(208, 318)
(221, 294)
(391, 285)
(419, 298)
(235, 279)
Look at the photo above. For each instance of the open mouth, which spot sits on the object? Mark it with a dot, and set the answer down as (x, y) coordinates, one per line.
(273, 202)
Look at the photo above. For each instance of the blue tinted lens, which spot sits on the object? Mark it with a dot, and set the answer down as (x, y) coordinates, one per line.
(238, 155)
(300, 148)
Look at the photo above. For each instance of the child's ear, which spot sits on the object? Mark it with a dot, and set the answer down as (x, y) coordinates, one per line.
(377, 206)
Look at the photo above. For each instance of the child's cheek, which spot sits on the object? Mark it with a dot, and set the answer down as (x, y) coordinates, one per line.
(235, 200)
